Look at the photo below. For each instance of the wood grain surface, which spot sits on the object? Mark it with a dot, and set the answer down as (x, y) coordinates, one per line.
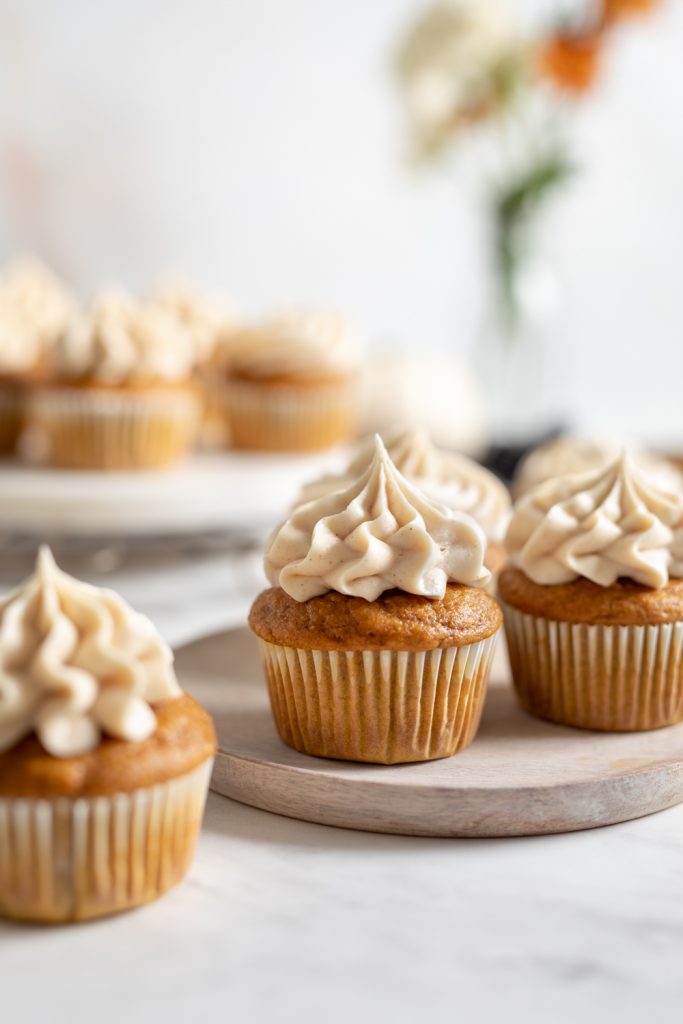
(521, 776)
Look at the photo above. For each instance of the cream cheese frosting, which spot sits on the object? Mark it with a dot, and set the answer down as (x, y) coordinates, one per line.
(600, 526)
(35, 309)
(294, 344)
(447, 477)
(208, 320)
(575, 454)
(378, 534)
(76, 662)
(121, 340)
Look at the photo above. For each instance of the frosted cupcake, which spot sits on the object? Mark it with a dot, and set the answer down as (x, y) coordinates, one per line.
(574, 454)
(34, 312)
(292, 383)
(123, 395)
(447, 477)
(593, 600)
(377, 636)
(104, 762)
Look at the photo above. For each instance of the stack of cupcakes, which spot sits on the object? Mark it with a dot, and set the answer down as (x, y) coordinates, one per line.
(104, 762)
(377, 635)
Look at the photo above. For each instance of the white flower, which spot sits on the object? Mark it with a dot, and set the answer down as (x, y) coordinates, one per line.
(451, 61)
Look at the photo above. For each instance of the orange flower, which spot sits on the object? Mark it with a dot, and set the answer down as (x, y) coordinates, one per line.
(572, 62)
(617, 10)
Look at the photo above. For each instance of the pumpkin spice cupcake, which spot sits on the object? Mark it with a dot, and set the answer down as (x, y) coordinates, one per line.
(123, 394)
(293, 383)
(104, 763)
(593, 600)
(571, 453)
(35, 310)
(447, 477)
(377, 637)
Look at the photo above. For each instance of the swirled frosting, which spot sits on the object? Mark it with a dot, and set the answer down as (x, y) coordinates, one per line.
(77, 662)
(447, 477)
(35, 310)
(122, 340)
(572, 454)
(296, 344)
(378, 534)
(600, 526)
(208, 320)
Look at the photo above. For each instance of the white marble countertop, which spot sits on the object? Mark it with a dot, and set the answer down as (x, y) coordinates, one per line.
(291, 922)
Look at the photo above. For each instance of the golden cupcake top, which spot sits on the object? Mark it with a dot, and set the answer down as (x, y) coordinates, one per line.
(76, 664)
(119, 340)
(601, 526)
(294, 344)
(447, 477)
(35, 310)
(572, 453)
(208, 319)
(378, 534)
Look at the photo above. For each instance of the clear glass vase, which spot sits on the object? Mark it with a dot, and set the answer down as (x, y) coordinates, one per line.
(522, 358)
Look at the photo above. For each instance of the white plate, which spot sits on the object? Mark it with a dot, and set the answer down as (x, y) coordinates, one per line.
(223, 492)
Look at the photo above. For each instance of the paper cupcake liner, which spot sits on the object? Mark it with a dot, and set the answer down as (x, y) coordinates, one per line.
(85, 428)
(11, 417)
(70, 860)
(611, 678)
(382, 707)
(287, 418)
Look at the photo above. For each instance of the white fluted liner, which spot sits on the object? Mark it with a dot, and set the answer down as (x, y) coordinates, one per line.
(105, 428)
(383, 707)
(65, 860)
(612, 678)
(291, 418)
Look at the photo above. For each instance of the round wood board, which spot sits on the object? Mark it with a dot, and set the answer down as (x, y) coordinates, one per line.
(521, 776)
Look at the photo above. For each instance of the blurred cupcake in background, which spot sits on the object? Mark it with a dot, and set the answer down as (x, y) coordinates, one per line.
(35, 309)
(450, 478)
(571, 453)
(122, 393)
(212, 323)
(293, 383)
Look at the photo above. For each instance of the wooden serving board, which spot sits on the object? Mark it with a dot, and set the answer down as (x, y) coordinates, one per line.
(521, 776)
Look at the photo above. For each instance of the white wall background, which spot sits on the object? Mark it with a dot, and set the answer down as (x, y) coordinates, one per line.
(257, 146)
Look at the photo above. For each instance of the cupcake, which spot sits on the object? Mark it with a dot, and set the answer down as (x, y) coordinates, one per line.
(376, 636)
(573, 454)
(34, 312)
(211, 324)
(123, 394)
(447, 477)
(104, 762)
(593, 600)
(292, 383)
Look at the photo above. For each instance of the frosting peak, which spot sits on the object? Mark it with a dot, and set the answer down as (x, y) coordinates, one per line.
(379, 533)
(602, 526)
(35, 310)
(121, 340)
(447, 477)
(76, 662)
(301, 344)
